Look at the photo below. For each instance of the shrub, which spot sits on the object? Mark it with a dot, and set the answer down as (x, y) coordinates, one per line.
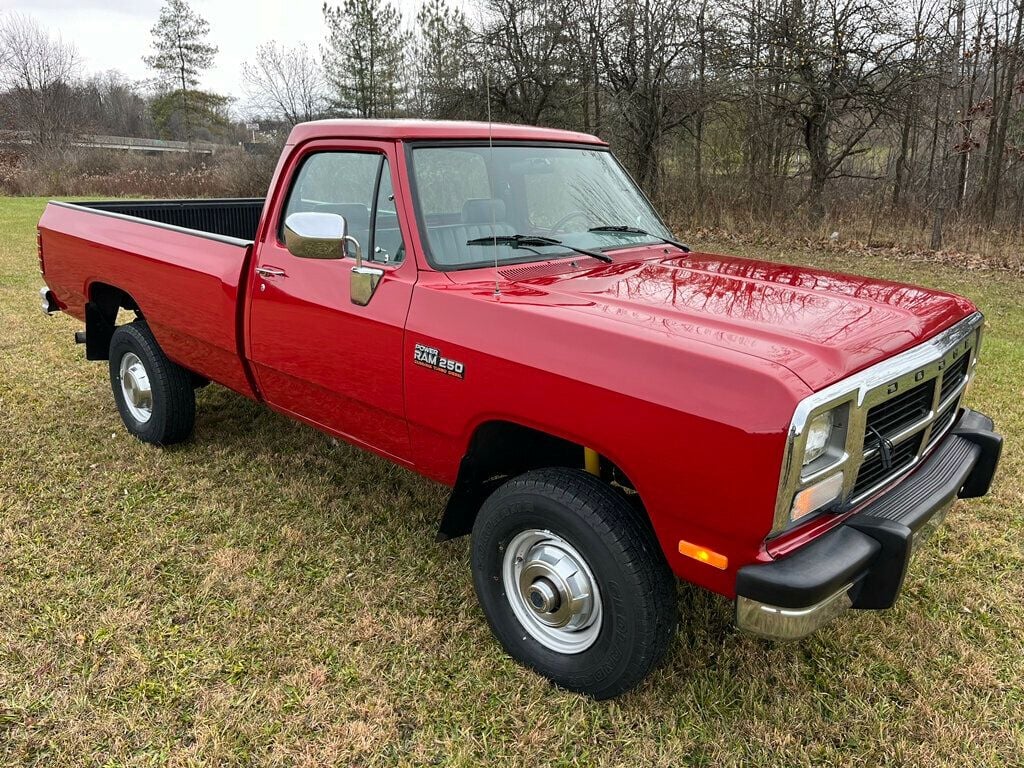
(77, 172)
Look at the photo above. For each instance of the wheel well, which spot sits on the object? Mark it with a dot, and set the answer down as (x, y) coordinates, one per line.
(500, 450)
(105, 301)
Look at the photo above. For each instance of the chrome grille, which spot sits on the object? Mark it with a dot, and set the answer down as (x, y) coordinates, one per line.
(953, 376)
(874, 471)
(910, 400)
(891, 417)
(944, 419)
(899, 429)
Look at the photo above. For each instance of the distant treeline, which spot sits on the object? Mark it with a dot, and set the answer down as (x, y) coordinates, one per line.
(905, 112)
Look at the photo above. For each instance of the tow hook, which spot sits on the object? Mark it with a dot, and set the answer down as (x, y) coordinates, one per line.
(49, 301)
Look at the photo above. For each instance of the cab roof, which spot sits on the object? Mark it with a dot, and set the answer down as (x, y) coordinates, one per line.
(418, 130)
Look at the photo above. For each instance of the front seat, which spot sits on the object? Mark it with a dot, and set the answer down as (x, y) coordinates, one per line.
(481, 217)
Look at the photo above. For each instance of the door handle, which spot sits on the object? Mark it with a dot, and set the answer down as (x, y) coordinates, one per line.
(270, 272)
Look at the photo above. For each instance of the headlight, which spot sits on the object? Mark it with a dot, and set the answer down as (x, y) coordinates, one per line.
(819, 432)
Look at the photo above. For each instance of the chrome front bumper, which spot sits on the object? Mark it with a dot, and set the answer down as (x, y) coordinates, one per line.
(862, 563)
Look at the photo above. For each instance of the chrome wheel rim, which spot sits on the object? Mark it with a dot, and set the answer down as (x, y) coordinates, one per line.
(135, 388)
(552, 591)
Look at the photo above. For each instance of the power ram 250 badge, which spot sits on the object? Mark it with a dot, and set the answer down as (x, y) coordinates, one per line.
(430, 357)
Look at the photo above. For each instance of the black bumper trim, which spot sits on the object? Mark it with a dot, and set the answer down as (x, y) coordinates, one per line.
(872, 549)
(977, 428)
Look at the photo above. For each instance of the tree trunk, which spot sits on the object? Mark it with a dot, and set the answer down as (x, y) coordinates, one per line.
(816, 141)
(902, 168)
(936, 243)
(1002, 120)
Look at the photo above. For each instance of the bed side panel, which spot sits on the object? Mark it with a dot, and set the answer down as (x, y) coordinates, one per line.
(186, 285)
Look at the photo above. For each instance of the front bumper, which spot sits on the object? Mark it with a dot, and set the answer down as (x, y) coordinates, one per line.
(862, 563)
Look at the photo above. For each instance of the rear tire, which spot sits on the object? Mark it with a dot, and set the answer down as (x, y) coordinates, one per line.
(154, 395)
(553, 538)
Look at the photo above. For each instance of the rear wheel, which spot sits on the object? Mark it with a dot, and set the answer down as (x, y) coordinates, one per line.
(153, 394)
(573, 582)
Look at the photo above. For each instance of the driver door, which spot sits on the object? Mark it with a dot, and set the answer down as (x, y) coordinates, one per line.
(317, 355)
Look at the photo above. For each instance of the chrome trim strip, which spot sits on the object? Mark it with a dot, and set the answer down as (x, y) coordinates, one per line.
(818, 474)
(906, 433)
(890, 478)
(172, 227)
(862, 390)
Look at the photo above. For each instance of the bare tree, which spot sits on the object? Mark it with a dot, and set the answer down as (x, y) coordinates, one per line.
(114, 106)
(6, 52)
(39, 73)
(285, 83)
(526, 54)
(902, 111)
(645, 56)
(841, 65)
(1006, 81)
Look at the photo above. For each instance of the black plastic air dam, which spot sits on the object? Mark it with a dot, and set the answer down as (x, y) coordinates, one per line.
(872, 548)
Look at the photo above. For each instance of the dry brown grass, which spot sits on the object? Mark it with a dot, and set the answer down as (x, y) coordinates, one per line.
(56, 172)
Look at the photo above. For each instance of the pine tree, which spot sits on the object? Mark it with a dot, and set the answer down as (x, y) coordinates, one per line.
(364, 57)
(181, 55)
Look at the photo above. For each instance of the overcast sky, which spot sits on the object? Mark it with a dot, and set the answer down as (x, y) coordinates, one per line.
(114, 34)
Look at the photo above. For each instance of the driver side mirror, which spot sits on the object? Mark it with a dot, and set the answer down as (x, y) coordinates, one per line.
(313, 235)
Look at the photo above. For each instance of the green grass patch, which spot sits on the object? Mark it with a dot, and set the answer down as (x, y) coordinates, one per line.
(263, 595)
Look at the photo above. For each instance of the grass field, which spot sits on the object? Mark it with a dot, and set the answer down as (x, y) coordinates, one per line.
(262, 595)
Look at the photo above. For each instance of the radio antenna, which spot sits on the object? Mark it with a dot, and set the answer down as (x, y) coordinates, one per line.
(490, 162)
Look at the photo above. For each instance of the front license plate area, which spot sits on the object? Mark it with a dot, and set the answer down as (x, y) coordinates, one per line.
(925, 531)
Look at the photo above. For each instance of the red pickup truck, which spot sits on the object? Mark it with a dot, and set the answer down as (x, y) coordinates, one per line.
(500, 309)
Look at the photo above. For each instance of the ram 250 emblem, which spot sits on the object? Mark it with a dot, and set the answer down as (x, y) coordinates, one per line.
(430, 357)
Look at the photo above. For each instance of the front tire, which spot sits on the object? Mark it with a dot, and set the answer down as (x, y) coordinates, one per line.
(154, 395)
(573, 582)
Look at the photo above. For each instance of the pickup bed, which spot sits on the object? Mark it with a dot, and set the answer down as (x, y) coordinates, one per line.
(500, 309)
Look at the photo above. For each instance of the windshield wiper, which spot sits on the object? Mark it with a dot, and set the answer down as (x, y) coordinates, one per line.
(532, 242)
(621, 229)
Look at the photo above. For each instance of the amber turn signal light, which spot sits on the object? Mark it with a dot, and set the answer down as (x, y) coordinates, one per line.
(703, 555)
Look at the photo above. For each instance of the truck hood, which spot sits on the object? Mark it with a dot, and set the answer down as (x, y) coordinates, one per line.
(823, 326)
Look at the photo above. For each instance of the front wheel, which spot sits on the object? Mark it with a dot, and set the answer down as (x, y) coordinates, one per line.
(572, 581)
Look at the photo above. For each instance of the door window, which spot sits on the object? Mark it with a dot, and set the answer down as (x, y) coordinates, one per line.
(344, 183)
(387, 235)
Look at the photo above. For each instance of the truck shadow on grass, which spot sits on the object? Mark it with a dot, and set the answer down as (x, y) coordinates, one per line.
(256, 493)
(337, 487)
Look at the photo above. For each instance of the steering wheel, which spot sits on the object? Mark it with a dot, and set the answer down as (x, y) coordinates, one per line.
(559, 226)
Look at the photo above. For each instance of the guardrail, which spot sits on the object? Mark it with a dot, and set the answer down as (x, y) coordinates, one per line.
(125, 143)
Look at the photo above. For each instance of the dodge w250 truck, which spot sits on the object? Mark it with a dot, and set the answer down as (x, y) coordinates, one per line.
(500, 309)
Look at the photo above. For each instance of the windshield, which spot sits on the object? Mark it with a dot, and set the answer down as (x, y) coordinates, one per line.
(464, 193)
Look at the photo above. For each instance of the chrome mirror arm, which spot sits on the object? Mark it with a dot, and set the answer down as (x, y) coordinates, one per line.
(359, 251)
(364, 280)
